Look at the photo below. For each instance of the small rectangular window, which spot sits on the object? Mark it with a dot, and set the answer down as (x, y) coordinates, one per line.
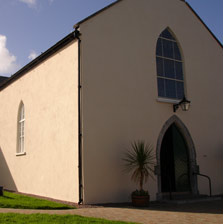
(179, 70)
(169, 68)
(160, 70)
(161, 87)
(159, 48)
(167, 48)
(180, 90)
(177, 55)
(170, 89)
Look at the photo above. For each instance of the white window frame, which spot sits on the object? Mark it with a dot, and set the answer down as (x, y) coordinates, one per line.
(21, 131)
(167, 99)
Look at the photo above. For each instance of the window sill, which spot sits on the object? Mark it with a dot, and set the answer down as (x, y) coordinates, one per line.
(166, 100)
(20, 154)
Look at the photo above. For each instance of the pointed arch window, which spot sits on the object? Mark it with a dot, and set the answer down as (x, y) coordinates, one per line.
(170, 77)
(21, 130)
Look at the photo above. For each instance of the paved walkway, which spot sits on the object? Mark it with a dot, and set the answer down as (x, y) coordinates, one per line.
(196, 213)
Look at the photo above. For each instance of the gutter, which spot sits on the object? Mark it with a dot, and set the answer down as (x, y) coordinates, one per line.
(23, 71)
(77, 35)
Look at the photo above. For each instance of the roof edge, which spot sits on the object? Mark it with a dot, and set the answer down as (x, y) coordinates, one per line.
(96, 13)
(66, 40)
(117, 1)
(212, 34)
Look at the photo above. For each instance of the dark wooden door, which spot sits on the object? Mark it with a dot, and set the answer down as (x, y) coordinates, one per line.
(175, 175)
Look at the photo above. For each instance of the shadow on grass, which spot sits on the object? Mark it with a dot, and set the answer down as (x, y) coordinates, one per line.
(6, 197)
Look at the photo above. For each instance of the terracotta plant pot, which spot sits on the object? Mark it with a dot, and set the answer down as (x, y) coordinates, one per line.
(140, 201)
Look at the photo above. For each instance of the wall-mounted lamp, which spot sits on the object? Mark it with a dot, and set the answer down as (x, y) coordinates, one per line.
(184, 104)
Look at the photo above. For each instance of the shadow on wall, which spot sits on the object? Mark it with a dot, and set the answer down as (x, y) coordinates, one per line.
(6, 179)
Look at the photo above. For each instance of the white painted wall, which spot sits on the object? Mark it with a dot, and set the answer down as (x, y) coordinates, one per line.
(120, 102)
(50, 96)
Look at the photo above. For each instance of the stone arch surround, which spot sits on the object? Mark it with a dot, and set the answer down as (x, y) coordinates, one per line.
(191, 151)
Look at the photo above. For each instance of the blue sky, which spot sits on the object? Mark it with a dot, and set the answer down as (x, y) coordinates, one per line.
(29, 27)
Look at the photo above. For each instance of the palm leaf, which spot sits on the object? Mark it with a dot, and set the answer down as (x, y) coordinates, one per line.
(139, 160)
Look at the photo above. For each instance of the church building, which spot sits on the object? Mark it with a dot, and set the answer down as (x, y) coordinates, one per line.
(136, 70)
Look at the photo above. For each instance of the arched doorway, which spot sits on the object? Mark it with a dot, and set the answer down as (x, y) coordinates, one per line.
(176, 160)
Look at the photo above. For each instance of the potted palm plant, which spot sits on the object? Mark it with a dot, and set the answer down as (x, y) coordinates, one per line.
(139, 160)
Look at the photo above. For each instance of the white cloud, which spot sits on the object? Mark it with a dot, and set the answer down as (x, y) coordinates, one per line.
(30, 3)
(32, 55)
(8, 63)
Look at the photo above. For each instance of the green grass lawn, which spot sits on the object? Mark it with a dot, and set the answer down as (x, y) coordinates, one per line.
(13, 200)
(10, 218)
